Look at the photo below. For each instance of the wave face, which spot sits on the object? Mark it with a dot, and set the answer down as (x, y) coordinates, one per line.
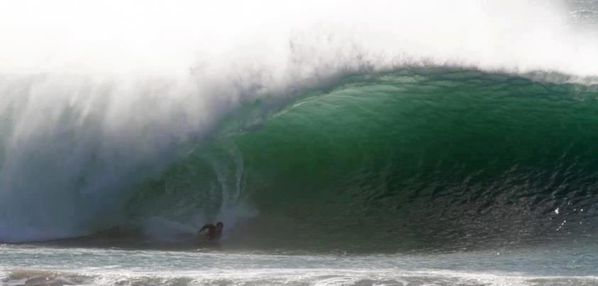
(417, 157)
(365, 123)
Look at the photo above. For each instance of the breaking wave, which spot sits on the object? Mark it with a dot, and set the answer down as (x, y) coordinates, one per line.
(387, 124)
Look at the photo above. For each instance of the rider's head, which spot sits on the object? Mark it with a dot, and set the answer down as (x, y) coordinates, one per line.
(219, 224)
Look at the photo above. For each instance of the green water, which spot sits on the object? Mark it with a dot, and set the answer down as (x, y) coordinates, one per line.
(424, 158)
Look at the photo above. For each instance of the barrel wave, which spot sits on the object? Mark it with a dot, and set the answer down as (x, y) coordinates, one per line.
(422, 157)
(380, 125)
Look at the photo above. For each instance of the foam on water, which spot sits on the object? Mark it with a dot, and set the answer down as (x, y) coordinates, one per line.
(74, 266)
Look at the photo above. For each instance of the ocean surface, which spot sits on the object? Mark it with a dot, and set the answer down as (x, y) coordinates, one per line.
(377, 143)
(549, 265)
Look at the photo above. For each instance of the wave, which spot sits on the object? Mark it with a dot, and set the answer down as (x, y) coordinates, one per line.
(311, 126)
(413, 158)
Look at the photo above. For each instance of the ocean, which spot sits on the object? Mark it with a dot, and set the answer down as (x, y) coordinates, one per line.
(371, 143)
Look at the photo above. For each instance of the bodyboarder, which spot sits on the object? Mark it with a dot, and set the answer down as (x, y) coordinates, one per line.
(214, 231)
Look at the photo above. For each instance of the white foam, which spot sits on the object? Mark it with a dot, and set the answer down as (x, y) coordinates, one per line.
(166, 37)
(127, 267)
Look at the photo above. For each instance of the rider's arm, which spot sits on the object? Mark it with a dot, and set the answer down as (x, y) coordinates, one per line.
(206, 226)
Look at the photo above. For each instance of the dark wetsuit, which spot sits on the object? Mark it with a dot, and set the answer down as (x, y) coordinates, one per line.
(214, 231)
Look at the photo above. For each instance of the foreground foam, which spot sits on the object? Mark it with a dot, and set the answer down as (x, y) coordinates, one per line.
(285, 277)
(27, 265)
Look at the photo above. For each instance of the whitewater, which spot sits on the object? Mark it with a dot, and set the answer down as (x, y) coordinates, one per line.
(363, 143)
